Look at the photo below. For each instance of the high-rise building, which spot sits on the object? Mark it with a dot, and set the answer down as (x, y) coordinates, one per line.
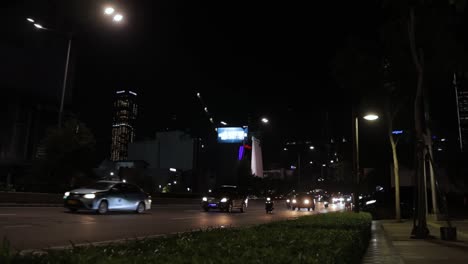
(460, 83)
(123, 126)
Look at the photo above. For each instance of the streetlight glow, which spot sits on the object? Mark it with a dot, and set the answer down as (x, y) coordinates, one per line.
(109, 10)
(371, 117)
(265, 120)
(30, 20)
(173, 169)
(312, 147)
(38, 26)
(118, 18)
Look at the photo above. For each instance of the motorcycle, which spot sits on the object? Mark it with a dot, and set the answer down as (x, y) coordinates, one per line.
(269, 205)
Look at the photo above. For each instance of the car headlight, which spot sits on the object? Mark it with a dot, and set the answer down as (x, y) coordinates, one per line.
(288, 201)
(89, 196)
(66, 195)
(205, 199)
(325, 202)
(371, 202)
(306, 201)
(268, 199)
(294, 201)
(224, 200)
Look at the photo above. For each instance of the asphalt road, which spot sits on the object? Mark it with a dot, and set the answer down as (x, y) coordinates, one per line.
(44, 227)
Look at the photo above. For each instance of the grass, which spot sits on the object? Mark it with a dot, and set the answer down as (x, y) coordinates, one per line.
(325, 238)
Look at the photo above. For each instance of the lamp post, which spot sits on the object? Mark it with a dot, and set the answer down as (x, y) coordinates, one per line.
(107, 11)
(368, 117)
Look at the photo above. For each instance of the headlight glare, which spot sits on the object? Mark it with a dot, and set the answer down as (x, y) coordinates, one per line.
(294, 201)
(306, 201)
(67, 194)
(89, 196)
(268, 199)
(205, 199)
(224, 200)
(288, 201)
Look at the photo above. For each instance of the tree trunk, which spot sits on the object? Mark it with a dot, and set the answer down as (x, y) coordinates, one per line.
(421, 230)
(396, 175)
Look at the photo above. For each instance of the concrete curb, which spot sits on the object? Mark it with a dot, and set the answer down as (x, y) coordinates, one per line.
(460, 234)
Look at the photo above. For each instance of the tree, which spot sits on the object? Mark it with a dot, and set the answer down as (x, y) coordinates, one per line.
(69, 151)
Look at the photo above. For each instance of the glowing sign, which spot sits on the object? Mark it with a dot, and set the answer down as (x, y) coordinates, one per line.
(397, 132)
(241, 152)
(232, 134)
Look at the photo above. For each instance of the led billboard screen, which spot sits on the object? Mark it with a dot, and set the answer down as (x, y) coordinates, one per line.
(232, 134)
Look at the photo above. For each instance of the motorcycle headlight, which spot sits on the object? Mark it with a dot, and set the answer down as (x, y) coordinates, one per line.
(89, 196)
(224, 200)
(306, 201)
(66, 195)
(205, 199)
(268, 199)
(371, 202)
(294, 201)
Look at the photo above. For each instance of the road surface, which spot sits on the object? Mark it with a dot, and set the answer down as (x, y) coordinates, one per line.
(43, 227)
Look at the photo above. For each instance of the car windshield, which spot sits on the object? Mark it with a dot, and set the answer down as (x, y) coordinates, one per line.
(224, 190)
(101, 186)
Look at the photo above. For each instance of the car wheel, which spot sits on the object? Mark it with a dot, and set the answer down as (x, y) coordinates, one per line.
(242, 210)
(229, 208)
(140, 208)
(73, 210)
(313, 208)
(103, 208)
(326, 206)
(308, 209)
(293, 208)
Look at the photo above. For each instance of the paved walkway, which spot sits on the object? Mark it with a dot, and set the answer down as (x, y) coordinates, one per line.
(391, 243)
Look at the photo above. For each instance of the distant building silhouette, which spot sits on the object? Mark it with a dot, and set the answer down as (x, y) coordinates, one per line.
(123, 126)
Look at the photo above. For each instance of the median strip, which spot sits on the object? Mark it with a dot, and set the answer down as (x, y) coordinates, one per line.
(323, 238)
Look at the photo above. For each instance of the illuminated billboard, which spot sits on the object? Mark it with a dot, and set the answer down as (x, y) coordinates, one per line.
(232, 134)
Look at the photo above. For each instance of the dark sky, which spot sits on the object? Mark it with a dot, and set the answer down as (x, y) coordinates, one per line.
(247, 58)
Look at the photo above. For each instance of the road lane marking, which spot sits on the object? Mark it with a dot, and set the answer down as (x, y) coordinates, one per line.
(17, 226)
(183, 218)
(7, 214)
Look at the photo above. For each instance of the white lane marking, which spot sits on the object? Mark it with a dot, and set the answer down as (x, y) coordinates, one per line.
(17, 226)
(7, 214)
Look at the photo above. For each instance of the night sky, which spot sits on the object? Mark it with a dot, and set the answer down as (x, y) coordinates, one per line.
(246, 58)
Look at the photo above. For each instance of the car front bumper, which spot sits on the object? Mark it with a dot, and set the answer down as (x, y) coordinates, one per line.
(215, 205)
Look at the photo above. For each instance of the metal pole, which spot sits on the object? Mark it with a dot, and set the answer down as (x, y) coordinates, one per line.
(458, 112)
(356, 161)
(298, 170)
(64, 85)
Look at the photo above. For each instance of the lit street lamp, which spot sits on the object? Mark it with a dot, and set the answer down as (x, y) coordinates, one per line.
(265, 120)
(107, 11)
(368, 117)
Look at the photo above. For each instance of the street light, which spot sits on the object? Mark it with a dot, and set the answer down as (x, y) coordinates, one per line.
(118, 18)
(368, 117)
(67, 62)
(109, 10)
(311, 147)
(265, 120)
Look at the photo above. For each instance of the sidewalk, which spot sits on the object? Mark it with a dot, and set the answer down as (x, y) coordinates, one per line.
(391, 243)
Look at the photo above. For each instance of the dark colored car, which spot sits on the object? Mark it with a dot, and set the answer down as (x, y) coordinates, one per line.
(303, 200)
(104, 196)
(288, 199)
(225, 198)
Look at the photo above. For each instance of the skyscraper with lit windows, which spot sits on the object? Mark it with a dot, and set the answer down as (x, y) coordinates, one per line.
(123, 125)
(460, 82)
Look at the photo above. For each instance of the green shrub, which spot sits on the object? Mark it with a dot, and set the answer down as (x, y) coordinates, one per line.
(326, 238)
